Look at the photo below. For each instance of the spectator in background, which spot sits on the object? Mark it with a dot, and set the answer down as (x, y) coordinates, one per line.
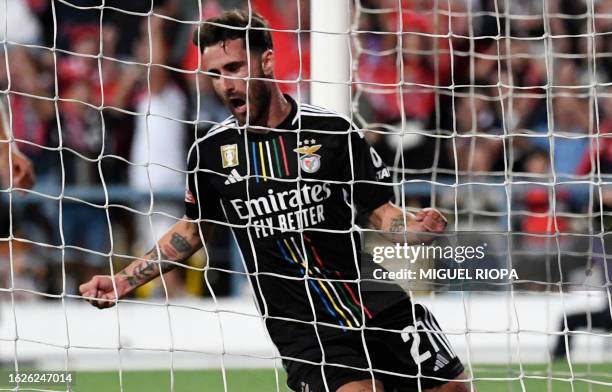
(527, 73)
(571, 118)
(603, 43)
(102, 78)
(570, 128)
(536, 200)
(596, 162)
(477, 118)
(596, 166)
(82, 134)
(119, 126)
(15, 168)
(30, 116)
(477, 150)
(539, 215)
(404, 98)
(82, 64)
(422, 69)
(158, 153)
(19, 24)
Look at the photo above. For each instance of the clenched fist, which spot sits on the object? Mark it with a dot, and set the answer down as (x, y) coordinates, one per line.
(430, 220)
(99, 291)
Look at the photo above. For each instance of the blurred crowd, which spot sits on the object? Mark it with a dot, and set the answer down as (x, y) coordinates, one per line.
(469, 90)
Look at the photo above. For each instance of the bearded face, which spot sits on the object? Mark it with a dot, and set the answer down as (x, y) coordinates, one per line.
(229, 66)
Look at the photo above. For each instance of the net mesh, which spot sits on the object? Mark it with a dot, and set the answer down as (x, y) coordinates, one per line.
(494, 112)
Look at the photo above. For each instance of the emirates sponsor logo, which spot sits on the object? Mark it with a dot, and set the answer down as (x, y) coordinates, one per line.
(281, 201)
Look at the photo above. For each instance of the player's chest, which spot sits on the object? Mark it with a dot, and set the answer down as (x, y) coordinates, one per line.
(274, 163)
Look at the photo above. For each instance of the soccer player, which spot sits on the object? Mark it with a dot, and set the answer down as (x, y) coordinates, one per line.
(20, 166)
(292, 180)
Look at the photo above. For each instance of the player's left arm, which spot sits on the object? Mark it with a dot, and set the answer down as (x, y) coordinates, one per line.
(400, 226)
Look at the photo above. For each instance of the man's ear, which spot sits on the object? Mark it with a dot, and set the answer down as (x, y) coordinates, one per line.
(267, 63)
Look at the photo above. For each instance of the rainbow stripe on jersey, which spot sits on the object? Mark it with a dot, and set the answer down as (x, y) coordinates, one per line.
(338, 298)
(269, 159)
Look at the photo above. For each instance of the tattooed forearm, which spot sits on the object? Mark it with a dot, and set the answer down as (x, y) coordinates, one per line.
(174, 247)
(148, 268)
(180, 243)
(143, 272)
(398, 231)
(152, 254)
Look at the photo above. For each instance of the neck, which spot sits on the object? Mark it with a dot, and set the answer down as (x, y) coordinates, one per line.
(278, 110)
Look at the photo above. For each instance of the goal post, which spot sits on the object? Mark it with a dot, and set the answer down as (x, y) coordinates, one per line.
(330, 48)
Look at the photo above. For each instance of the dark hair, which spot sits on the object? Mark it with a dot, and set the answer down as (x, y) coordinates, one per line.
(233, 25)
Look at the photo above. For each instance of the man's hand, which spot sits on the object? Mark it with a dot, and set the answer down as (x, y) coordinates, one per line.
(428, 220)
(177, 245)
(403, 227)
(21, 167)
(99, 291)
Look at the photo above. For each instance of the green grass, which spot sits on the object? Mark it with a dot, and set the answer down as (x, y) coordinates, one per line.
(536, 379)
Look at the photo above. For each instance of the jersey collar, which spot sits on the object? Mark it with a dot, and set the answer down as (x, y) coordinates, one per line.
(288, 122)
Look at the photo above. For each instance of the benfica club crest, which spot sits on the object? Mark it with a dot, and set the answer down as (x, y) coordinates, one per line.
(309, 161)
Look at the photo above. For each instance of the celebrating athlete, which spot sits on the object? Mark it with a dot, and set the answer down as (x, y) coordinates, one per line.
(292, 180)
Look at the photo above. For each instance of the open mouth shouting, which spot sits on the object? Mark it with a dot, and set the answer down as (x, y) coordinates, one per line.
(238, 105)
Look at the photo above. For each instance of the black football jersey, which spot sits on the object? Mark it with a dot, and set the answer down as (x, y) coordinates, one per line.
(292, 197)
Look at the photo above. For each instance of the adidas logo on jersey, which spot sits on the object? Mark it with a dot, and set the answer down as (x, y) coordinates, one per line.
(441, 361)
(233, 177)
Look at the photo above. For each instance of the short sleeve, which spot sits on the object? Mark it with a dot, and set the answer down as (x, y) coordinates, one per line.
(372, 187)
(201, 200)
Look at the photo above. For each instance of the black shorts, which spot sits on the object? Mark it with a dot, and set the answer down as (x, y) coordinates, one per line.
(393, 341)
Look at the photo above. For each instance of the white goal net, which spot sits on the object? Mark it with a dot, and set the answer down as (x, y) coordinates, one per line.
(498, 113)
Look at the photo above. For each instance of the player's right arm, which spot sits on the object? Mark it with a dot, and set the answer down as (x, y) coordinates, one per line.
(176, 246)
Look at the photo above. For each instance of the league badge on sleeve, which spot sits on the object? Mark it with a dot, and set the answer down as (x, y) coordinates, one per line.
(229, 155)
(309, 161)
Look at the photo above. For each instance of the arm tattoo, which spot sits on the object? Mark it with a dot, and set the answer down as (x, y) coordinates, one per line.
(155, 261)
(398, 225)
(152, 254)
(180, 243)
(142, 272)
(148, 268)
